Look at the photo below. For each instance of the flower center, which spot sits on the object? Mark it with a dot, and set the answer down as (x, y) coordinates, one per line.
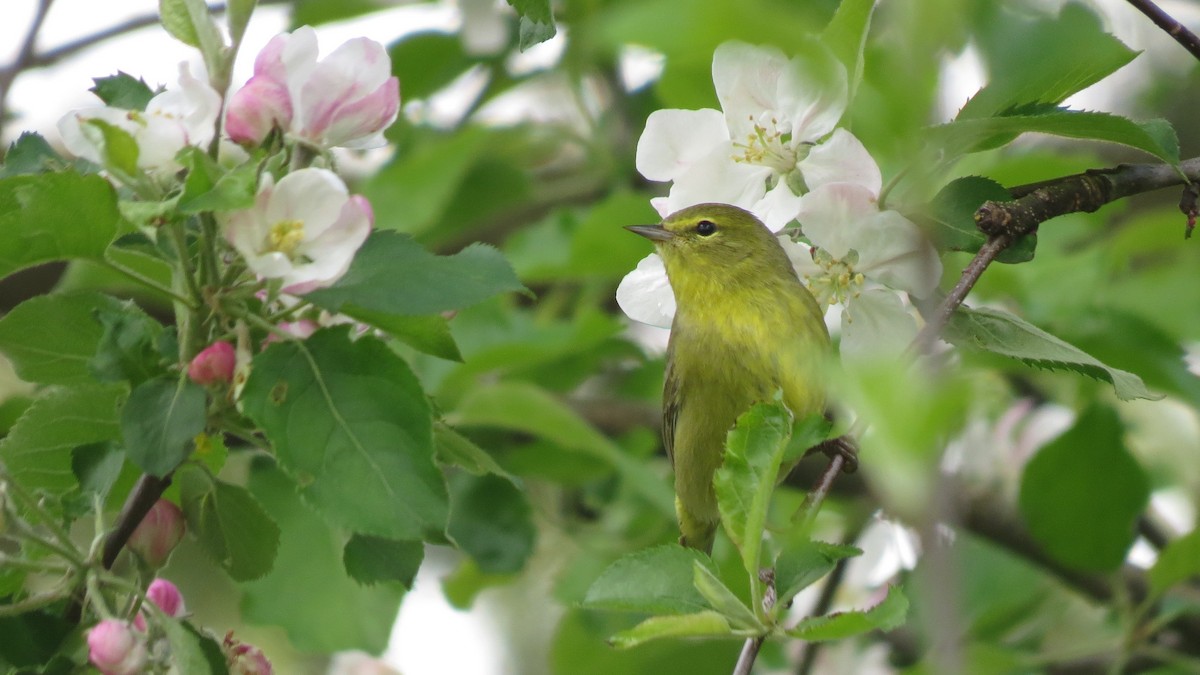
(285, 236)
(770, 147)
(837, 281)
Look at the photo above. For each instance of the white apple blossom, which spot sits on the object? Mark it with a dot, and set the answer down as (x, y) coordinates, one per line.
(304, 230)
(172, 120)
(774, 150)
(773, 140)
(346, 99)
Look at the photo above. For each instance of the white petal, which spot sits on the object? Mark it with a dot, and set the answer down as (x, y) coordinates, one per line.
(676, 139)
(894, 252)
(813, 91)
(747, 80)
(194, 105)
(800, 255)
(331, 252)
(717, 178)
(645, 295)
(778, 208)
(830, 214)
(311, 196)
(841, 159)
(876, 326)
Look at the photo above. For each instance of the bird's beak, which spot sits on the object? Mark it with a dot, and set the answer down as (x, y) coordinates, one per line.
(654, 233)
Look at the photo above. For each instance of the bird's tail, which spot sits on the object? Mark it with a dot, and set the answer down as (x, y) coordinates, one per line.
(695, 532)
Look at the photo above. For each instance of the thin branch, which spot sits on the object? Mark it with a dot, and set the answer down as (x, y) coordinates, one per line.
(970, 274)
(25, 56)
(1173, 28)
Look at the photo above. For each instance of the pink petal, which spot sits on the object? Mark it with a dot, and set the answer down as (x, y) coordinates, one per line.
(257, 108)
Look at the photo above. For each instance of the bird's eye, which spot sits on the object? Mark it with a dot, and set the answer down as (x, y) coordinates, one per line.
(705, 228)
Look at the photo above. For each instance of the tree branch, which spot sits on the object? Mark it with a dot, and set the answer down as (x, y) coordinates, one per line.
(1173, 28)
(25, 57)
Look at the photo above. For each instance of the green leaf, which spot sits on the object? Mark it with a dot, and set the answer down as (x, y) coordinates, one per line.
(802, 562)
(97, 466)
(701, 624)
(175, 18)
(1081, 494)
(1046, 61)
(1156, 137)
(54, 216)
(370, 560)
(30, 154)
(210, 188)
(744, 483)
(723, 600)
(128, 348)
(599, 246)
(537, 22)
(428, 61)
(1002, 333)
(490, 520)
(657, 581)
(37, 450)
(192, 652)
(454, 449)
(238, 13)
(51, 338)
(394, 274)
(334, 612)
(846, 36)
(521, 406)
(429, 334)
(885, 616)
(230, 523)
(351, 424)
(1178, 562)
(117, 146)
(31, 639)
(952, 215)
(160, 421)
(123, 91)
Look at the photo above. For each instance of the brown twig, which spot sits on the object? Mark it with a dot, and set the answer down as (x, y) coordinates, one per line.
(1173, 28)
(970, 274)
(25, 56)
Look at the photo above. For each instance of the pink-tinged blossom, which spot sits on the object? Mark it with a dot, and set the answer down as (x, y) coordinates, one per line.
(164, 595)
(304, 230)
(115, 648)
(176, 118)
(213, 365)
(158, 533)
(244, 659)
(346, 99)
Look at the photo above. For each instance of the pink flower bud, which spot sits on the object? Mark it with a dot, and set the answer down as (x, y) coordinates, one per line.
(166, 596)
(244, 659)
(158, 533)
(116, 649)
(213, 365)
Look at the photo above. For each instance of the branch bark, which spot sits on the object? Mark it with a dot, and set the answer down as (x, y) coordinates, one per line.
(1173, 28)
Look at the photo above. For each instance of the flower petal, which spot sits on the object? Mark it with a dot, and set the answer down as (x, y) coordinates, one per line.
(841, 159)
(356, 69)
(830, 216)
(645, 294)
(717, 178)
(876, 326)
(813, 91)
(259, 106)
(331, 253)
(360, 124)
(674, 140)
(778, 208)
(312, 196)
(747, 79)
(893, 251)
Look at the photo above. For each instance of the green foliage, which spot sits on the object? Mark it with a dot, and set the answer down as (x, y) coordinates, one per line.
(1178, 562)
(123, 91)
(51, 339)
(433, 283)
(1081, 494)
(657, 580)
(55, 216)
(370, 560)
(491, 521)
(230, 523)
(1002, 333)
(159, 422)
(952, 215)
(537, 22)
(352, 426)
(885, 616)
(30, 154)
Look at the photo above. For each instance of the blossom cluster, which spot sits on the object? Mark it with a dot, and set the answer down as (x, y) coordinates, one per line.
(775, 149)
(304, 227)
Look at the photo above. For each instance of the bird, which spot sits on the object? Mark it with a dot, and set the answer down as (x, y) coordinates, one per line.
(745, 328)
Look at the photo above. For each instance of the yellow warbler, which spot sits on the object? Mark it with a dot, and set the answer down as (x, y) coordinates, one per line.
(744, 328)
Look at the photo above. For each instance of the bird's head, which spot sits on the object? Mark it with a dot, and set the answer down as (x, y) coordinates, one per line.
(718, 242)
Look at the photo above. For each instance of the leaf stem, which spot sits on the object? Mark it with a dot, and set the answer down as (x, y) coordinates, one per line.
(146, 281)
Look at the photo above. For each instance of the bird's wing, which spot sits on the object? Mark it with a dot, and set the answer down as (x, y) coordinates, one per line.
(672, 402)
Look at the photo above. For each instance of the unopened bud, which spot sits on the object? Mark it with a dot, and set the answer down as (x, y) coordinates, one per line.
(116, 649)
(213, 365)
(244, 659)
(158, 533)
(166, 596)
